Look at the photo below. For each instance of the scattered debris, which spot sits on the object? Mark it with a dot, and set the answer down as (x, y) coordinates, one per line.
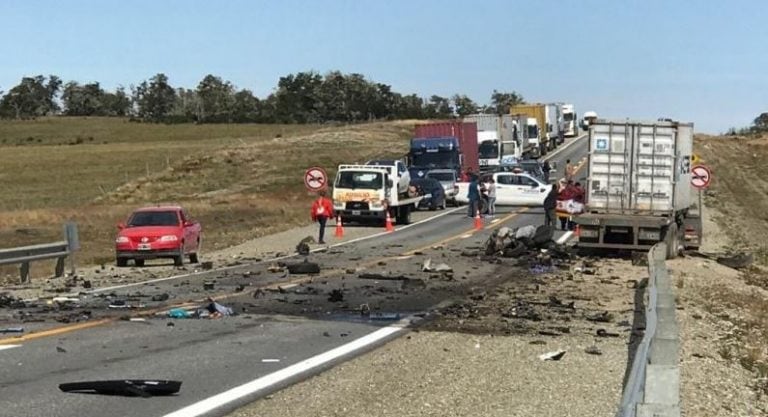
(275, 268)
(382, 277)
(427, 267)
(270, 360)
(304, 267)
(127, 387)
(593, 350)
(179, 313)
(605, 333)
(552, 356)
(217, 310)
(336, 296)
(60, 349)
(303, 248)
(604, 317)
(65, 300)
(160, 297)
(208, 285)
(12, 330)
(240, 288)
(207, 265)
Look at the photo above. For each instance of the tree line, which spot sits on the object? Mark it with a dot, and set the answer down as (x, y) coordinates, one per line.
(304, 97)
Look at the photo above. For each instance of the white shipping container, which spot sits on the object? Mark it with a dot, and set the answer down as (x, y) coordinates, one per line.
(492, 122)
(639, 167)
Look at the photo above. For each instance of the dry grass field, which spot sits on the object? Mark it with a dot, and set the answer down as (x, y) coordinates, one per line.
(240, 181)
(739, 192)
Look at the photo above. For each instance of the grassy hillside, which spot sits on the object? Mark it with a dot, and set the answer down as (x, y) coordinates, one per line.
(241, 181)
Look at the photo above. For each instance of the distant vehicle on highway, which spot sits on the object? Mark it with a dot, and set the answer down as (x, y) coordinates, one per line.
(448, 179)
(435, 190)
(530, 166)
(158, 232)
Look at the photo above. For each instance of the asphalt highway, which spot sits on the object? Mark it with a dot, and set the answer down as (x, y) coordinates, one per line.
(285, 329)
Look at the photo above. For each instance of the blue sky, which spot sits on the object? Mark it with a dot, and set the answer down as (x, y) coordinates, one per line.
(700, 61)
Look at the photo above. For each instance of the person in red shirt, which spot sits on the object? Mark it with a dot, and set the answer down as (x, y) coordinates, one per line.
(322, 210)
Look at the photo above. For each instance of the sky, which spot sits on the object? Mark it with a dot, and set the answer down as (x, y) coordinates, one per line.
(698, 61)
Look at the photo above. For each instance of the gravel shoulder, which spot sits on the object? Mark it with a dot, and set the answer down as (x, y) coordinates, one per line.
(720, 318)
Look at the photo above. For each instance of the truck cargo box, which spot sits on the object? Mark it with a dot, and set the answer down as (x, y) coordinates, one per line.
(639, 168)
(466, 133)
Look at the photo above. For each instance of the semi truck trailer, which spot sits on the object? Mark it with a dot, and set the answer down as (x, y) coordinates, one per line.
(639, 188)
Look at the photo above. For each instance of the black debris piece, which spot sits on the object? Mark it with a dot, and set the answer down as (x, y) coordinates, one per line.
(304, 267)
(160, 297)
(336, 296)
(126, 387)
(738, 261)
(593, 350)
(604, 317)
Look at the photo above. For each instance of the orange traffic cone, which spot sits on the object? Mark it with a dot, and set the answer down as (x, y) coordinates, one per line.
(388, 224)
(339, 227)
(478, 221)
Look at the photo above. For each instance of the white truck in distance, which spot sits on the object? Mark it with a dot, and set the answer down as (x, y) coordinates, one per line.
(368, 192)
(400, 174)
(570, 125)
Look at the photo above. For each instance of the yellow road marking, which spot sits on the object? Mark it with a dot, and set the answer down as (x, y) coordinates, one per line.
(82, 326)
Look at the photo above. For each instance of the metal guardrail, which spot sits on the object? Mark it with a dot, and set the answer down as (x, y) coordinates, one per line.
(57, 250)
(653, 385)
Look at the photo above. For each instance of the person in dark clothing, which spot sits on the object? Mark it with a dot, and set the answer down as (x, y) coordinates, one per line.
(550, 204)
(546, 168)
(473, 195)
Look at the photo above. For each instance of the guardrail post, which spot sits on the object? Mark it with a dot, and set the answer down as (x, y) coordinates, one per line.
(24, 272)
(73, 244)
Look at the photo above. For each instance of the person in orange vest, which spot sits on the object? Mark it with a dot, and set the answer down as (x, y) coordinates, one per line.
(322, 210)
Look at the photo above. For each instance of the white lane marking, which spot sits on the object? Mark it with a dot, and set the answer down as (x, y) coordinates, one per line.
(564, 238)
(467, 236)
(4, 347)
(495, 220)
(404, 257)
(279, 258)
(259, 384)
(564, 147)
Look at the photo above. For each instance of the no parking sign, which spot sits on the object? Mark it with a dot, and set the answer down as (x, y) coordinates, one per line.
(701, 176)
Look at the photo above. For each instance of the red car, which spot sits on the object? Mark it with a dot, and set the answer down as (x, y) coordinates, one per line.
(158, 232)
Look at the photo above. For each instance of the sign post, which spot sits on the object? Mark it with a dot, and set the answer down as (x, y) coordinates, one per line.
(701, 177)
(315, 179)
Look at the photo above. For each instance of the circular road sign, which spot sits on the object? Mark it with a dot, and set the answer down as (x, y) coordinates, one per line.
(700, 176)
(316, 179)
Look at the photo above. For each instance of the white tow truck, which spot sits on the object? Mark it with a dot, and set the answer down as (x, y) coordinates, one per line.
(368, 192)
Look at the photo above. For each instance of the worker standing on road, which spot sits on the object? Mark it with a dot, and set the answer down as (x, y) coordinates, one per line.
(491, 190)
(322, 209)
(473, 195)
(568, 170)
(546, 168)
(550, 204)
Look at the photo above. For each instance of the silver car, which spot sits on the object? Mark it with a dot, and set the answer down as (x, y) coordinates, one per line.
(447, 178)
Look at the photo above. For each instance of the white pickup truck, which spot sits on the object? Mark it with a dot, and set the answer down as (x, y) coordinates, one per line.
(512, 189)
(368, 192)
